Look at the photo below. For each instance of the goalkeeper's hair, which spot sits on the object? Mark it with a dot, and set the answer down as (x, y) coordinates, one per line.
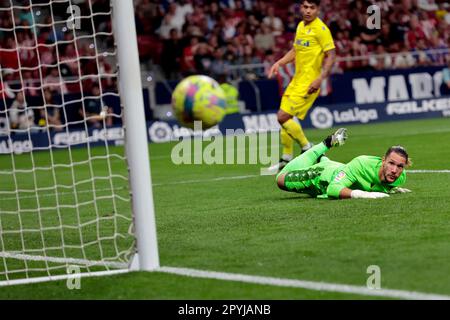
(316, 2)
(401, 151)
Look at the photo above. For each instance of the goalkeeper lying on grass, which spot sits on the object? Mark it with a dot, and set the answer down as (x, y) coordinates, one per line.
(363, 177)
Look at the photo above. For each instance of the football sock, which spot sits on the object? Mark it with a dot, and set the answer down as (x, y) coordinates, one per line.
(306, 159)
(288, 144)
(319, 149)
(327, 141)
(295, 130)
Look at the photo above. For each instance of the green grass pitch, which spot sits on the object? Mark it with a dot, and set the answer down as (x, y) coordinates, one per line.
(244, 226)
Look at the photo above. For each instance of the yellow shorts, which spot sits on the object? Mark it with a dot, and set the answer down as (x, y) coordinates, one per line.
(298, 106)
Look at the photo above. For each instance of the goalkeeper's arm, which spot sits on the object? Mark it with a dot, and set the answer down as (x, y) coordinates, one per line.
(347, 193)
(359, 194)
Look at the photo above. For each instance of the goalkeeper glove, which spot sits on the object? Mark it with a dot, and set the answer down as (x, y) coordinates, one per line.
(399, 190)
(359, 194)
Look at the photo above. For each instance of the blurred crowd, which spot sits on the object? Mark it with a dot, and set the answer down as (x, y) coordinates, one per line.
(37, 42)
(43, 44)
(195, 36)
(198, 36)
(190, 37)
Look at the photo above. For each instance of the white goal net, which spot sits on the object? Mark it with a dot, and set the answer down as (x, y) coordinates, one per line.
(64, 187)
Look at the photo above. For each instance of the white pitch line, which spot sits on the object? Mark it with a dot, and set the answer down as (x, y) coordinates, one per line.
(310, 285)
(207, 180)
(257, 175)
(83, 262)
(279, 282)
(427, 171)
(187, 182)
(16, 282)
(47, 194)
(53, 194)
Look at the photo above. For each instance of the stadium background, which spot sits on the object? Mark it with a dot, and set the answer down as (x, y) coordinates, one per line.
(240, 40)
(237, 41)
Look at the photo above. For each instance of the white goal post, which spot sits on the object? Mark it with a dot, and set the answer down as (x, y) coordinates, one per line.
(70, 193)
(136, 134)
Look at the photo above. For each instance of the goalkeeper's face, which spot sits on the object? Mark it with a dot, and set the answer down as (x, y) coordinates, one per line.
(392, 167)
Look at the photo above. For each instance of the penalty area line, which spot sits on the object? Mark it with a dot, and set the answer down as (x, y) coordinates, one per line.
(207, 180)
(302, 284)
(52, 194)
(428, 171)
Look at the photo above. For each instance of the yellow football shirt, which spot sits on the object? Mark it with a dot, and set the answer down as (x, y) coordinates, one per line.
(311, 43)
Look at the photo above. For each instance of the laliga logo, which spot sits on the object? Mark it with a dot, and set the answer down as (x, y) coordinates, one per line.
(321, 118)
(160, 132)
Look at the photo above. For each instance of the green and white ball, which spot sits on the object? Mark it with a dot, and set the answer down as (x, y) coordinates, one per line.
(199, 98)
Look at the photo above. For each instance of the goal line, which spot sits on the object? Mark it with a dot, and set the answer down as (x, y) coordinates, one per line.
(83, 262)
(222, 276)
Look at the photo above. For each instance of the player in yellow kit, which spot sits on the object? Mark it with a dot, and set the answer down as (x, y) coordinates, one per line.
(314, 55)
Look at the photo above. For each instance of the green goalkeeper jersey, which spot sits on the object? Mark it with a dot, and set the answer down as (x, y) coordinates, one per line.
(361, 174)
(327, 178)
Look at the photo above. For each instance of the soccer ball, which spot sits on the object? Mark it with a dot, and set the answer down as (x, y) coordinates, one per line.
(198, 98)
